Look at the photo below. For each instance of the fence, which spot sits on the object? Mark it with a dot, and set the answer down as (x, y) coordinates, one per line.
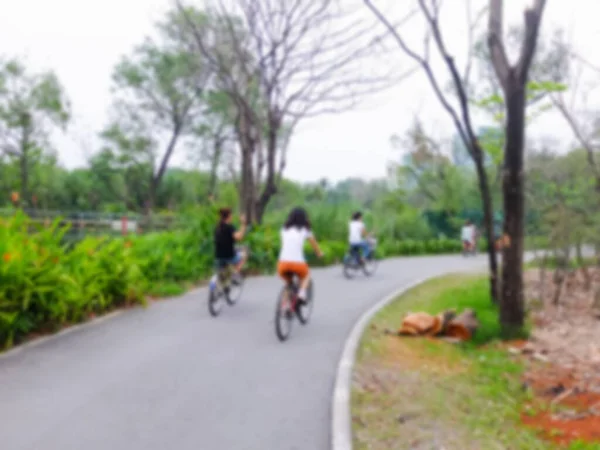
(85, 223)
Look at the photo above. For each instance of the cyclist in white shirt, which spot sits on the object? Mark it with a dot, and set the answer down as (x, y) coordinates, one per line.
(467, 235)
(295, 231)
(356, 236)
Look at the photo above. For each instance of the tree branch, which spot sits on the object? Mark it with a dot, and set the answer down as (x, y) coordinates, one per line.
(496, 42)
(424, 64)
(533, 19)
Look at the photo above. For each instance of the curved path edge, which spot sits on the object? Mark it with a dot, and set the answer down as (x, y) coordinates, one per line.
(341, 420)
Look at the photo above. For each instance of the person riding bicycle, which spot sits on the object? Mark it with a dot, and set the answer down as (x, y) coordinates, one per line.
(357, 232)
(467, 235)
(294, 233)
(225, 237)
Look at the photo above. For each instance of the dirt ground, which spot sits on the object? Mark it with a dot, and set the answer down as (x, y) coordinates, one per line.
(403, 386)
(403, 397)
(563, 357)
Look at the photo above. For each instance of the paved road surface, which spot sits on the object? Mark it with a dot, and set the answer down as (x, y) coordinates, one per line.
(173, 378)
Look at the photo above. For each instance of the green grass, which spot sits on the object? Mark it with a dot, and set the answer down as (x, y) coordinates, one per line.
(471, 390)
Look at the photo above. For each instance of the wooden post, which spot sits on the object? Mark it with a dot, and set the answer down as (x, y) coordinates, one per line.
(124, 225)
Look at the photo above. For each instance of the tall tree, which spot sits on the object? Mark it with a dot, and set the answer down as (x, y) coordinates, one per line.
(280, 63)
(31, 106)
(460, 113)
(513, 79)
(573, 103)
(162, 85)
(126, 165)
(215, 138)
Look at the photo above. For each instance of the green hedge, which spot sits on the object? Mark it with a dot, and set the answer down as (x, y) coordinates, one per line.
(46, 284)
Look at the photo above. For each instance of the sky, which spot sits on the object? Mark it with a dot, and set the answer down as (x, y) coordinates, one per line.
(82, 41)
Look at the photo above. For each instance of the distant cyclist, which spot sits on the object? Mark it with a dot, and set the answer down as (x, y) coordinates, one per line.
(357, 233)
(226, 236)
(467, 236)
(294, 233)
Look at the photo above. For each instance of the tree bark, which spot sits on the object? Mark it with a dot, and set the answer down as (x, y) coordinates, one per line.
(24, 161)
(270, 187)
(214, 165)
(512, 311)
(513, 79)
(158, 176)
(488, 222)
(24, 175)
(247, 185)
(247, 191)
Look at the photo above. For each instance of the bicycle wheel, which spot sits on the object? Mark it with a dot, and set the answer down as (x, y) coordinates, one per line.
(284, 314)
(234, 290)
(215, 305)
(304, 310)
(370, 264)
(349, 267)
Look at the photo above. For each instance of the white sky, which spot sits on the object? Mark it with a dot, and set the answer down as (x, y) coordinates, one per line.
(82, 41)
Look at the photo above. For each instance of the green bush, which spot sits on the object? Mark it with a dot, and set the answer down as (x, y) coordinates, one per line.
(44, 286)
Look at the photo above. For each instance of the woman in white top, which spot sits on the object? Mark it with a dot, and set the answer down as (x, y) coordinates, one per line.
(467, 235)
(294, 233)
(356, 235)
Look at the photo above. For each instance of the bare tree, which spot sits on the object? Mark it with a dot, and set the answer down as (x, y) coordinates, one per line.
(461, 115)
(162, 85)
(213, 149)
(513, 79)
(281, 62)
(584, 122)
(571, 103)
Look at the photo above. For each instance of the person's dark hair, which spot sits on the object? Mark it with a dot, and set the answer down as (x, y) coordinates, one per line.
(357, 215)
(224, 214)
(298, 218)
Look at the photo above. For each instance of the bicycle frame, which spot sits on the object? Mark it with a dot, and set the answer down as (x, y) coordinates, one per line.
(291, 288)
(370, 248)
(223, 277)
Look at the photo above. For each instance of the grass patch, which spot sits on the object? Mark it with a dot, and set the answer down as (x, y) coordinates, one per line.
(466, 396)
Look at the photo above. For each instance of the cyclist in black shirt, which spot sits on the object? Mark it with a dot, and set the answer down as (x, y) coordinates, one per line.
(226, 236)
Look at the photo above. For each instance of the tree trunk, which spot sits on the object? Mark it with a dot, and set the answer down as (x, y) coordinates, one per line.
(512, 311)
(247, 191)
(24, 163)
(587, 279)
(245, 130)
(214, 166)
(24, 174)
(559, 276)
(270, 187)
(150, 202)
(157, 178)
(488, 223)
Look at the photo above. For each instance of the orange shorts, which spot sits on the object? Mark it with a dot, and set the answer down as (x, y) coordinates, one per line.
(299, 268)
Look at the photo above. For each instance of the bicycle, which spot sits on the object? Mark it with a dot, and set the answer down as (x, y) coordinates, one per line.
(471, 250)
(353, 261)
(221, 286)
(289, 305)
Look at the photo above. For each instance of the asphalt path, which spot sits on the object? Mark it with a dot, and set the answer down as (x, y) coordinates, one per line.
(171, 377)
